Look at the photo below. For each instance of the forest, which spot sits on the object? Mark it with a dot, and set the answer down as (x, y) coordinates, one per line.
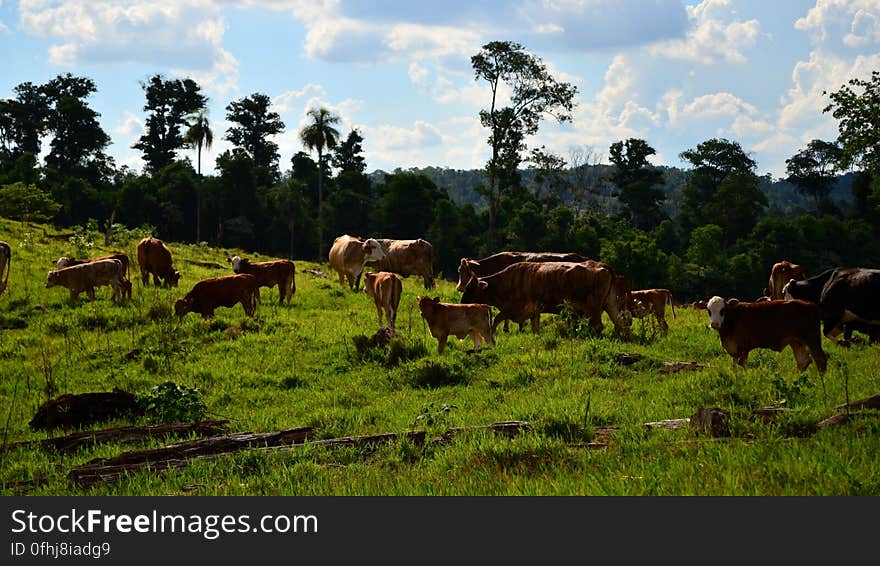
(715, 227)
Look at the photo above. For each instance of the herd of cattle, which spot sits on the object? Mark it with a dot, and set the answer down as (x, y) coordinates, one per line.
(520, 285)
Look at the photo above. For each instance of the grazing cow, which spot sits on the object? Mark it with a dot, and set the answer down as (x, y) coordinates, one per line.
(781, 273)
(871, 330)
(5, 265)
(226, 291)
(470, 268)
(385, 288)
(63, 262)
(847, 295)
(524, 290)
(348, 255)
(87, 276)
(743, 327)
(279, 272)
(459, 320)
(405, 258)
(154, 258)
(652, 302)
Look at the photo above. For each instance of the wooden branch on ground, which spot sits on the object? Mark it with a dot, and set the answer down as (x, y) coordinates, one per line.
(126, 434)
(508, 428)
(872, 402)
(844, 418)
(670, 367)
(669, 424)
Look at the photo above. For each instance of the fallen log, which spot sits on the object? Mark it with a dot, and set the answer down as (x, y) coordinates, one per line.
(872, 402)
(669, 424)
(670, 367)
(508, 428)
(844, 418)
(84, 409)
(182, 454)
(128, 435)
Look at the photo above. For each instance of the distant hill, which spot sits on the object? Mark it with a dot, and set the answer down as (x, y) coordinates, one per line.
(782, 196)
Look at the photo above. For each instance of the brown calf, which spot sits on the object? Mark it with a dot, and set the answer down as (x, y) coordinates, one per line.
(385, 288)
(269, 274)
(652, 302)
(743, 327)
(87, 276)
(227, 291)
(459, 320)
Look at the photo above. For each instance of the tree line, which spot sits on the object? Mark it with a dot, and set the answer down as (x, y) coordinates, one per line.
(721, 239)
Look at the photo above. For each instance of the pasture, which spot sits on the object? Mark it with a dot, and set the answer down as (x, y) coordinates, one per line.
(586, 398)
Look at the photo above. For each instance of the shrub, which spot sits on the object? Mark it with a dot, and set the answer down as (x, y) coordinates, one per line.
(169, 402)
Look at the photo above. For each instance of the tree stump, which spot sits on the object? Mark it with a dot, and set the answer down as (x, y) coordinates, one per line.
(712, 420)
(84, 409)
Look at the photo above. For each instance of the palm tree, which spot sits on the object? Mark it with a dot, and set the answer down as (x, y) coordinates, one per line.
(320, 135)
(199, 135)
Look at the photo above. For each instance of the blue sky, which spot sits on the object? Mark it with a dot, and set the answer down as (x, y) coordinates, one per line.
(673, 73)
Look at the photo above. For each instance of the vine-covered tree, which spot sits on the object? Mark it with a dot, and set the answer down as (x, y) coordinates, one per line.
(722, 189)
(169, 102)
(348, 155)
(856, 105)
(320, 135)
(637, 182)
(812, 171)
(255, 124)
(507, 67)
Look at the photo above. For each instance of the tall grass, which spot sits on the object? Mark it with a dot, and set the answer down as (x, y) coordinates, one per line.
(299, 365)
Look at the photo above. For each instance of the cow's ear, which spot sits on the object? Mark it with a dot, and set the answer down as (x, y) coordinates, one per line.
(482, 284)
(436, 299)
(228, 260)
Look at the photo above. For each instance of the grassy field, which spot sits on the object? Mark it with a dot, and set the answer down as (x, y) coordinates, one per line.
(299, 365)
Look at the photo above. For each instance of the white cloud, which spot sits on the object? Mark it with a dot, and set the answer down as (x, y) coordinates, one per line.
(860, 17)
(713, 37)
(417, 73)
(718, 104)
(183, 34)
(421, 135)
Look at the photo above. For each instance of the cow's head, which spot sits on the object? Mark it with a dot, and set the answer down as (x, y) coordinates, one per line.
(62, 262)
(174, 278)
(786, 290)
(182, 306)
(427, 305)
(370, 283)
(236, 263)
(717, 308)
(465, 274)
(52, 279)
(372, 250)
(474, 291)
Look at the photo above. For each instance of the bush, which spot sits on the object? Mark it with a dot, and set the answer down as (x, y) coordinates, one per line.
(169, 402)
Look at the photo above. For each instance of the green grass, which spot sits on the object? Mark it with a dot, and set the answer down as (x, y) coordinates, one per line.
(299, 365)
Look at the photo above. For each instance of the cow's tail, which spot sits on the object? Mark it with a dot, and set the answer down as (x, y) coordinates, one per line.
(491, 337)
(671, 304)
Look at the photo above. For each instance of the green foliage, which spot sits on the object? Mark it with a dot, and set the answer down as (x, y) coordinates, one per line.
(82, 241)
(854, 105)
(433, 415)
(790, 392)
(27, 202)
(169, 402)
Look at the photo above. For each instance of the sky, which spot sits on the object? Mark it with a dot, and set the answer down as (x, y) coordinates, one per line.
(670, 72)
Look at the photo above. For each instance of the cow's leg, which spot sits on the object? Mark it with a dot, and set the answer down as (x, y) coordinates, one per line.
(536, 323)
(499, 318)
(379, 313)
(800, 355)
(90, 291)
(833, 324)
(145, 277)
(478, 340)
(390, 316)
(441, 342)
(156, 282)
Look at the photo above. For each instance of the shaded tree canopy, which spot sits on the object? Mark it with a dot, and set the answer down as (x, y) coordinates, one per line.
(254, 123)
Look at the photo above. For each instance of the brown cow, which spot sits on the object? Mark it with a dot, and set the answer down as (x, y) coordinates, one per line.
(781, 273)
(348, 256)
(459, 320)
(63, 262)
(226, 291)
(154, 258)
(652, 302)
(385, 288)
(743, 327)
(405, 258)
(470, 268)
(87, 276)
(524, 290)
(5, 265)
(279, 272)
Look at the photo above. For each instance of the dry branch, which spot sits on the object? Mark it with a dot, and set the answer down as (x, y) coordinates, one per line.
(669, 424)
(872, 402)
(508, 428)
(669, 367)
(127, 434)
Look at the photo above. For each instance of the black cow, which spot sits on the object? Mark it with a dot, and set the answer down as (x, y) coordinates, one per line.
(844, 295)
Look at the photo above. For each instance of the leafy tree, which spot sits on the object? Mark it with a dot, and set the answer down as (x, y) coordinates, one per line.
(550, 175)
(199, 135)
(169, 102)
(637, 182)
(22, 125)
(256, 123)
(237, 203)
(534, 93)
(77, 135)
(406, 205)
(812, 170)
(319, 136)
(347, 157)
(27, 202)
(350, 206)
(859, 122)
(722, 189)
